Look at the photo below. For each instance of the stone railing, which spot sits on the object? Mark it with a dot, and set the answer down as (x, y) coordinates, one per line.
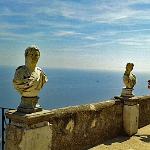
(74, 128)
(144, 110)
(82, 127)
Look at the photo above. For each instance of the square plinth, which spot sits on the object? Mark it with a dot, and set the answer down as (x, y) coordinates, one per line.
(28, 119)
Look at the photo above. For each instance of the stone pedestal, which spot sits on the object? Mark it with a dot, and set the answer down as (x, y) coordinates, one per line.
(28, 132)
(29, 105)
(126, 92)
(130, 116)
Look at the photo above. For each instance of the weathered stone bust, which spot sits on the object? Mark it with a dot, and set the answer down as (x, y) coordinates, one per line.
(129, 80)
(29, 80)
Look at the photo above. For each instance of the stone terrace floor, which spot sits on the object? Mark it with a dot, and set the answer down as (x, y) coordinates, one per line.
(139, 141)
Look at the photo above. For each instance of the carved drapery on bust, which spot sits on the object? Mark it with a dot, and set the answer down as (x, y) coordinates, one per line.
(28, 83)
(29, 79)
(129, 80)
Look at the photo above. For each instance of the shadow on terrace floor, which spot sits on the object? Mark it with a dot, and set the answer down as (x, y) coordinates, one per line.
(139, 141)
(119, 139)
(144, 138)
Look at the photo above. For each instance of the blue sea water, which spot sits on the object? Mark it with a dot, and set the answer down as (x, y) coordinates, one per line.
(71, 87)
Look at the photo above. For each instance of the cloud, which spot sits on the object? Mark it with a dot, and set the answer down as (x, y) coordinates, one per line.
(23, 37)
(101, 12)
(7, 12)
(92, 12)
(4, 26)
(55, 24)
(90, 38)
(95, 12)
(86, 20)
(66, 33)
(87, 12)
(142, 41)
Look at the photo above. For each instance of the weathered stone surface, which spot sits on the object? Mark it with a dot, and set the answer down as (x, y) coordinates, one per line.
(85, 126)
(13, 137)
(29, 105)
(29, 119)
(144, 110)
(19, 138)
(77, 127)
(127, 93)
(89, 125)
(131, 119)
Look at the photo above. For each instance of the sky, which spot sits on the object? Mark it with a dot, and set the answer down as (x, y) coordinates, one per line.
(77, 34)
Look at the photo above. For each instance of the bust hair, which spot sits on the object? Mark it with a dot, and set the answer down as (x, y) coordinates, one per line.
(129, 65)
(31, 49)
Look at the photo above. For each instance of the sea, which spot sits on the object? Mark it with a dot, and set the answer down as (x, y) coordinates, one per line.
(70, 87)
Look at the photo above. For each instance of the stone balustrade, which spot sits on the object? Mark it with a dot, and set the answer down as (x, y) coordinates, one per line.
(72, 128)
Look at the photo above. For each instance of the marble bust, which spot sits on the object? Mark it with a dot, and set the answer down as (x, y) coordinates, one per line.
(129, 80)
(29, 79)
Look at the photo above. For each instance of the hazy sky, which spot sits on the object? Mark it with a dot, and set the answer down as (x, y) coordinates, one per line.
(84, 34)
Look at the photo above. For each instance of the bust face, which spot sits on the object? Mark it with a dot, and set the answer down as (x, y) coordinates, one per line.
(33, 57)
(129, 67)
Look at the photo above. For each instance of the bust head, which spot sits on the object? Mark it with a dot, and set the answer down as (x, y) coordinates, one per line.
(129, 67)
(32, 55)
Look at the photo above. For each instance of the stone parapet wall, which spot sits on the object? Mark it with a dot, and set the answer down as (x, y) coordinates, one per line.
(78, 127)
(82, 127)
(144, 110)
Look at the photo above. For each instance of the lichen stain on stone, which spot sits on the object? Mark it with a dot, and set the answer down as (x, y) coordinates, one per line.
(92, 107)
(70, 126)
(93, 124)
